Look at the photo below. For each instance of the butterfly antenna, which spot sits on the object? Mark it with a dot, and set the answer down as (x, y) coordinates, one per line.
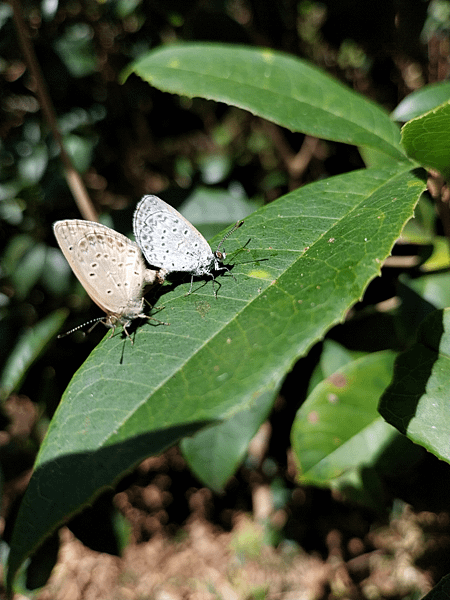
(95, 321)
(236, 226)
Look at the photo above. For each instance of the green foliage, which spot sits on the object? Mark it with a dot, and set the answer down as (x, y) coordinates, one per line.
(422, 101)
(426, 139)
(278, 87)
(310, 256)
(340, 439)
(27, 349)
(215, 453)
(417, 400)
(301, 263)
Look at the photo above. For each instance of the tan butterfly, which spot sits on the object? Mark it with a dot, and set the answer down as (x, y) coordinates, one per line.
(109, 266)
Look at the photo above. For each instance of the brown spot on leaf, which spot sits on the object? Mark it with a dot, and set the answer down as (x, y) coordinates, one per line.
(338, 380)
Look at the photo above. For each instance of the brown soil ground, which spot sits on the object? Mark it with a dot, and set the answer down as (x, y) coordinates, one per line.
(181, 541)
(201, 559)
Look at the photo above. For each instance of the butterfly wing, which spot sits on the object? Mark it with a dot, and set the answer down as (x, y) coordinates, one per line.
(168, 240)
(109, 266)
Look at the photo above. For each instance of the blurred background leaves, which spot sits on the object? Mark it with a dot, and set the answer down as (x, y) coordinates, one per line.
(130, 139)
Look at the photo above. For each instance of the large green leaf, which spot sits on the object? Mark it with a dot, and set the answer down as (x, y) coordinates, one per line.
(214, 453)
(417, 401)
(273, 85)
(332, 431)
(28, 348)
(300, 263)
(422, 101)
(339, 439)
(433, 288)
(333, 357)
(426, 139)
(26, 259)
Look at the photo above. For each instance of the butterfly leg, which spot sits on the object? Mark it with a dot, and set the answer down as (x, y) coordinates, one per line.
(214, 282)
(127, 334)
(157, 320)
(190, 289)
(223, 268)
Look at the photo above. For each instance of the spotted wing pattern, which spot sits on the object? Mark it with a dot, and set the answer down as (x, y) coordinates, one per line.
(169, 241)
(109, 266)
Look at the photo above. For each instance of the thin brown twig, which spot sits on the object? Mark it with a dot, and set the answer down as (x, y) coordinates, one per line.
(73, 178)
